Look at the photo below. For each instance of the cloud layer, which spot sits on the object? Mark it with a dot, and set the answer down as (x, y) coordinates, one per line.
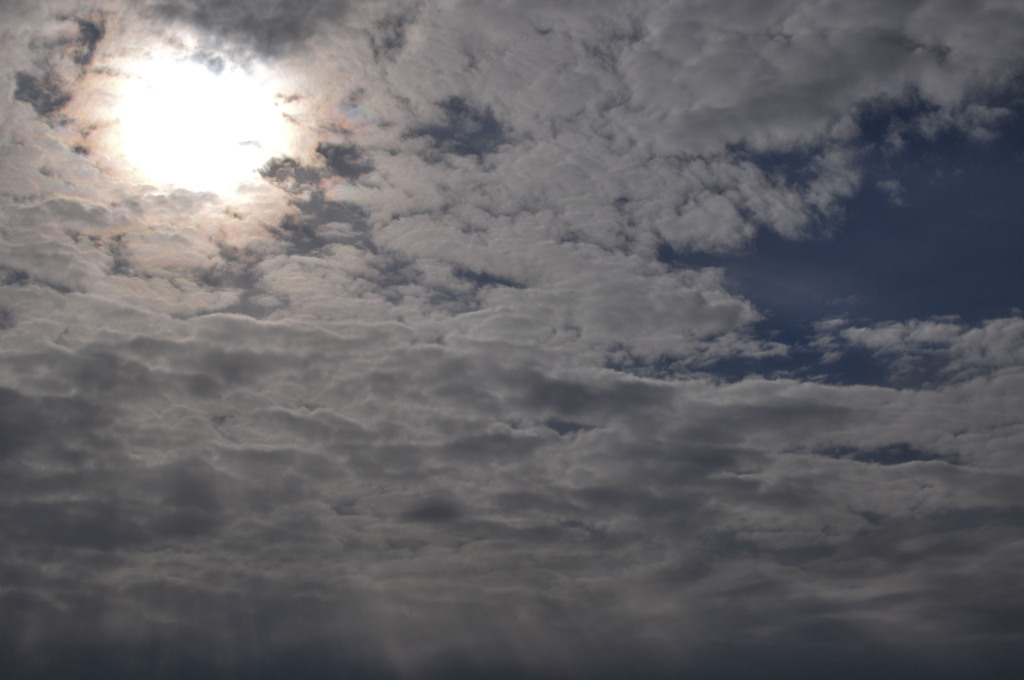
(466, 386)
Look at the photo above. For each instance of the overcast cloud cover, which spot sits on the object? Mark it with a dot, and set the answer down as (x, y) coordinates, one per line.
(583, 339)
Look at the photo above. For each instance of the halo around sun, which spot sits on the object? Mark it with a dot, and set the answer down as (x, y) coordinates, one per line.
(205, 127)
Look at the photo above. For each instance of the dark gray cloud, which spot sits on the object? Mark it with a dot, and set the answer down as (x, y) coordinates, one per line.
(74, 39)
(44, 93)
(346, 160)
(388, 36)
(90, 33)
(576, 340)
(271, 27)
(466, 130)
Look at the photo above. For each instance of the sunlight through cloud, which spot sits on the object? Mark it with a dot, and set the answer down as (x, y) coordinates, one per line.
(199, 128)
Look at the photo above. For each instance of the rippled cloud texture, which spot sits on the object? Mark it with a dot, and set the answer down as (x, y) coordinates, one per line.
(608, 339)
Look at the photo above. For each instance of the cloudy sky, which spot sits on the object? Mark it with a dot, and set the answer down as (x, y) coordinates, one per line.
(480, 339)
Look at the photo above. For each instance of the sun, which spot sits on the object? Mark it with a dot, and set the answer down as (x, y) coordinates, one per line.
(201, 126)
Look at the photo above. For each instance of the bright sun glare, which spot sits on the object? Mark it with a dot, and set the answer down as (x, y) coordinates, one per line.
(183, 124)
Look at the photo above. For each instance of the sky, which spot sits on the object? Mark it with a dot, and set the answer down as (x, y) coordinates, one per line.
(474, 339)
